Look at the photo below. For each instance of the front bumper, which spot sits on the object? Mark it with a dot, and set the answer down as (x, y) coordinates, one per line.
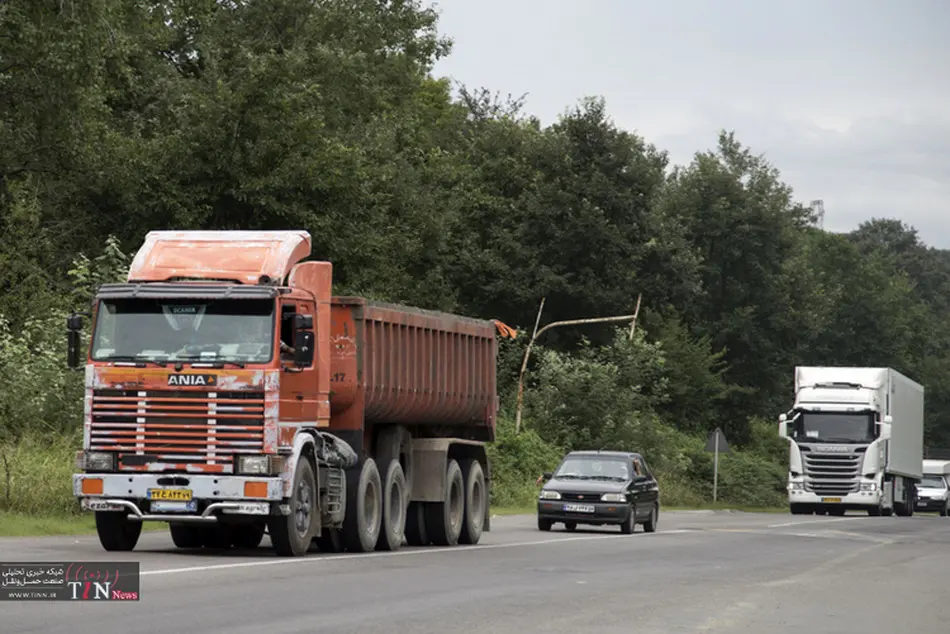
(211, 495)
(596, 513)
(930, 504)
(861, 500)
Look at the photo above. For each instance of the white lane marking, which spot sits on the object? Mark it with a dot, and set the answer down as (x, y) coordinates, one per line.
(804, 522)
(398, 553)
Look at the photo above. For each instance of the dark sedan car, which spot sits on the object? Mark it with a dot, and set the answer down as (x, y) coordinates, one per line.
(598, 488)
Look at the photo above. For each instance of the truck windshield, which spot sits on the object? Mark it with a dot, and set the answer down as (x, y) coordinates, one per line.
(932, 482)
(593, 468)
(237, 330)
(835, 427)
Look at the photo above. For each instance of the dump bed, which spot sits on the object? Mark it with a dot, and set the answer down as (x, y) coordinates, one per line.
(397, 364)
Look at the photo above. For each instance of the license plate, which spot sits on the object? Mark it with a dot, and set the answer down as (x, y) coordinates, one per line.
(830, 499)
(174, 495)
(173, 507)
(579, 508)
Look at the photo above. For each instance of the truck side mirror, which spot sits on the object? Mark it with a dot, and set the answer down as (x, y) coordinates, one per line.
(73, 341)
(303, 348)
(783, 425)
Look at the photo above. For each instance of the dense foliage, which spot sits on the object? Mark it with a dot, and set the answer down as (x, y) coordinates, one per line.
(117, 118)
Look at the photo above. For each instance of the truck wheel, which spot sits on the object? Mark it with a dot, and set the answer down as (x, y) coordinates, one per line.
(475, 500)
(800, 509)
(291, 534)
(248, 535)
(394, 442)
(444, 519)
(116, 531)
(218, 537)
(363, 519)
(394, 508)
(187, 535)
(416, 533)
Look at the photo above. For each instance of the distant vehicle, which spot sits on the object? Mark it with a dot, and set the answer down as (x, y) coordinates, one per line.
(600, 488)
(933, 493)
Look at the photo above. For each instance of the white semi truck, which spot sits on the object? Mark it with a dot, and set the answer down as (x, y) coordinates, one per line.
(856, 441)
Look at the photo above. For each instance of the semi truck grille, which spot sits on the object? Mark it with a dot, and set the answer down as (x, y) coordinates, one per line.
(832, 474)
(178, 427)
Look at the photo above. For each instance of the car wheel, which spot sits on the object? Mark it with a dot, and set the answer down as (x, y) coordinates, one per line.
(630, 524)
(544, 525)
(650, 525)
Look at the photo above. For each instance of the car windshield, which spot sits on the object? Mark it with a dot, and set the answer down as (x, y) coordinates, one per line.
(932, 482)
(236, 330)
(593, 468)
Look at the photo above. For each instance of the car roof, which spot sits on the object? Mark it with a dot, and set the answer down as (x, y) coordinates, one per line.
(609, 454)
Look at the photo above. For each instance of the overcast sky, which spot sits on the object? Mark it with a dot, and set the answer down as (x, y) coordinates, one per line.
(849, 99)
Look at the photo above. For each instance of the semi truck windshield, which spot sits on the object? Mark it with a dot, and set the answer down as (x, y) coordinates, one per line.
(240, 330)
(835, 427)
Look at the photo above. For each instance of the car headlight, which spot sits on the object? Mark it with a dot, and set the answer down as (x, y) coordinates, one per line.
(95, 461)
(550, 495)
(259, 465)
(869, 486)
(613, 497)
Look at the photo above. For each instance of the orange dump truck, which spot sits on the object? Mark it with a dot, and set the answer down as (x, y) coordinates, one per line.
(229, 394)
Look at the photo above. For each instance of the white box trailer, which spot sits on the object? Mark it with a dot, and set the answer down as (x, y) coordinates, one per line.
(856, 440)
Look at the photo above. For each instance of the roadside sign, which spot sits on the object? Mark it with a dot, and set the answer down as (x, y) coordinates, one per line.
(716, 444)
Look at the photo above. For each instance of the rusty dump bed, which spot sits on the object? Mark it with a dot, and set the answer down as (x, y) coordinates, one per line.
(407, 365)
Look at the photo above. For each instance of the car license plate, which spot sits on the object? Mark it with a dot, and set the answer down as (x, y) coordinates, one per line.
(830, 499)
(579, 508)
(171, 495)
(173, 507)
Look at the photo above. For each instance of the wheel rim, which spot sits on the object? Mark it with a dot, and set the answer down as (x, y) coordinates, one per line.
(477, 498)
(370, 506)
(303, 507)
(395, 507)
(456, 505)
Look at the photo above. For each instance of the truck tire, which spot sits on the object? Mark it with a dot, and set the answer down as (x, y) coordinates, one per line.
(187, 535)
(444, 519)
(218, 536)
(330, 541)
(291, 534)
(394, 442)
(475, 500)
(248, 535)
(364, 515)
(394, 499)
(800, 509)
(416, 533)
(116, 531)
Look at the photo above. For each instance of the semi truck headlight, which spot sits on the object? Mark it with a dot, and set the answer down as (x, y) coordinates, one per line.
(613, 497)
(259, 465)
(95, 461)
(550, 495)
(869, 486)
(796, 486)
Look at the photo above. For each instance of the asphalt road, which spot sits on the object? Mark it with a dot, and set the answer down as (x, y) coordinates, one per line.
(700, 572)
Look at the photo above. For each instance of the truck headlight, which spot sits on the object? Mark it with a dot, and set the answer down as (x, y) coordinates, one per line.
(796, 486)
(259, 465)
(869, 486)
(550, 495)
(95, 461)
(613, 497)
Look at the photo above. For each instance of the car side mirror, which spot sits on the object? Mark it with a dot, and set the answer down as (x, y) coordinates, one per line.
(640, 479)
(547, 475)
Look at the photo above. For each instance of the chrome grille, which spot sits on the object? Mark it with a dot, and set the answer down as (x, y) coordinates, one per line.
(832, 473)
(177, 426)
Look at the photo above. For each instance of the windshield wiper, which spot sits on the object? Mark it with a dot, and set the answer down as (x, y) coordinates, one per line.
(215, 363)
(138, 360)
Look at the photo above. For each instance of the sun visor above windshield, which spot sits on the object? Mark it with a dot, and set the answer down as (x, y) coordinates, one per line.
(240, 256)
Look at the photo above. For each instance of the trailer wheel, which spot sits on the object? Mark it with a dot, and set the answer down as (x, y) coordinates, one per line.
(363, 519)
(416, 533)
(291, 534)
(330, 541)
(394, 498)
(475, 500)
(444, 519)
(116, 531)
(394, 442)
(187, 535)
